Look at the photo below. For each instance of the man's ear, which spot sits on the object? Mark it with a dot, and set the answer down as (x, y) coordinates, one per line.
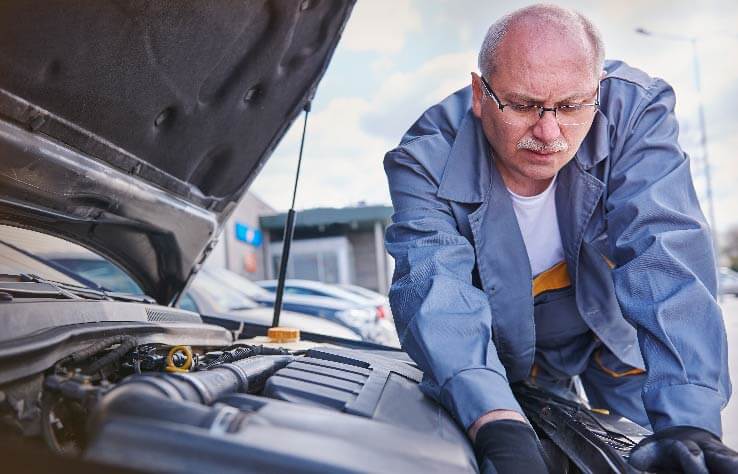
(477, 95)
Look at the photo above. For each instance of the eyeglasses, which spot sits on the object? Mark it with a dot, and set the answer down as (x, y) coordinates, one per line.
(528, 114)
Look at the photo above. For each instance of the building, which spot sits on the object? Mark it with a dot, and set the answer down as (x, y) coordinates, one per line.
(344, 245)
(240, 245)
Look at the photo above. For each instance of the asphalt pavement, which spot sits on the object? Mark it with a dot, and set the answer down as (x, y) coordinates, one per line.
(730, 413)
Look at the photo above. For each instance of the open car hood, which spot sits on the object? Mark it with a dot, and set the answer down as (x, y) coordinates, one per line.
(133, 128)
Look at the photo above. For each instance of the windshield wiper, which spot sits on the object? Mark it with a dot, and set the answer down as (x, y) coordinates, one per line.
(100, 293)
(50, 288)
(71, 291)
(24, 288)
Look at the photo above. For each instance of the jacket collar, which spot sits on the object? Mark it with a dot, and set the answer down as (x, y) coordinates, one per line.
(596, 145)
(466, 177)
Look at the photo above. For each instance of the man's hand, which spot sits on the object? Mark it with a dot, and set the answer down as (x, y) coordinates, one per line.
(508, 446)
(684, 449)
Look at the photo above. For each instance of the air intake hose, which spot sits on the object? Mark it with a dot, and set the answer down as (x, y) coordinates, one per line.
(185, 397)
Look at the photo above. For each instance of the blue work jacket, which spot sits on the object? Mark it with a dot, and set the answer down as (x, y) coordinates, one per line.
(461, 293)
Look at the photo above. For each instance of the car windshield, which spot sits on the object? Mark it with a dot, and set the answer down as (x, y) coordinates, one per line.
(18, 255)
(103, 273)
(39, 258)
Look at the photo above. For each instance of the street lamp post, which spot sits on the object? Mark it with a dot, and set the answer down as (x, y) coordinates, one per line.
(702, 124)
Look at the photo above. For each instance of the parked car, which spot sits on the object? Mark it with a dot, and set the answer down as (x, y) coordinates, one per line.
(240, 283)
(728, 281)
(132, 129)
(375, 298)
(294, 286)
(357, 315)
(220, 304)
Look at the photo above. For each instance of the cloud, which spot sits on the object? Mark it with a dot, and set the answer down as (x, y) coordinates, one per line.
(351, 128)
(382, 66)
(403, 96)
(342, 164)
(348, 137)
(381, 26)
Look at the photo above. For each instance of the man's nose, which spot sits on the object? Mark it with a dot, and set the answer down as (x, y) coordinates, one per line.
(547, 128)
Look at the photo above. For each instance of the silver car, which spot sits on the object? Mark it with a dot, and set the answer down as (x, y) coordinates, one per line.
(220, 304)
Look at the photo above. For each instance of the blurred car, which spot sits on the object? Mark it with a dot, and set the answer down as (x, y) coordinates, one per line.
(373, 297)
(241, 283)
(728, 281)
(221, 304)
(355, 314)
(295, 286)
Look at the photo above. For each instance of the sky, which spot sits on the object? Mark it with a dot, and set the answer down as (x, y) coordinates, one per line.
(398, 57)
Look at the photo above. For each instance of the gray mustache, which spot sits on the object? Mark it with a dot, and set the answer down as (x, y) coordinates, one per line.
(529, 143)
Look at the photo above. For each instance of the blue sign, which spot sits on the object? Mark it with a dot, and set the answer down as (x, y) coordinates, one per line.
(248, 234)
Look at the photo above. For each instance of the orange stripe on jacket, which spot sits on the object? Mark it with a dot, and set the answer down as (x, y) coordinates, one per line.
(555, 278)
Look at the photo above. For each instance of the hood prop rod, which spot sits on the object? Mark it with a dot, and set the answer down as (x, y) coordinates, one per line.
(289, 230)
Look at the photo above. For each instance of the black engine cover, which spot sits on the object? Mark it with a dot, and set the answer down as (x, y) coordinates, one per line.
(341, 410)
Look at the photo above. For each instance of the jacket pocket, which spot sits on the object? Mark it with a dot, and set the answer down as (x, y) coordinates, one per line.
(557, 319)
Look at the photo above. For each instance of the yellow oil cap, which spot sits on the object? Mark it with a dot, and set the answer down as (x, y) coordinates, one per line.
(280, 334)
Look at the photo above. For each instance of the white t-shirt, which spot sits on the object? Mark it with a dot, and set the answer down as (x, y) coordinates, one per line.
(539, 225)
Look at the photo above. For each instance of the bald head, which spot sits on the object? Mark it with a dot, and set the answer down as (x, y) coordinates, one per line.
(538, 27)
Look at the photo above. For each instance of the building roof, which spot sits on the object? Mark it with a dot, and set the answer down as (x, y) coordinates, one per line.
(325, 216)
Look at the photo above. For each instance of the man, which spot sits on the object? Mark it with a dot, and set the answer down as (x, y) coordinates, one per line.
(546, 226)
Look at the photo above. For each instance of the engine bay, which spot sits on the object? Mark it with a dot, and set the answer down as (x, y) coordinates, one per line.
(245, 407)
(102, 381)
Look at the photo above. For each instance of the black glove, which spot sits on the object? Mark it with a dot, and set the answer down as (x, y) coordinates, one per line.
(508, 446)
(684, 449)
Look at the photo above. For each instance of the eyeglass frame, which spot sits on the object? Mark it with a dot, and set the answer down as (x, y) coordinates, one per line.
(541, 109)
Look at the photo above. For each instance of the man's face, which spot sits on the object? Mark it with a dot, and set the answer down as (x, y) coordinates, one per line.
(535, 67)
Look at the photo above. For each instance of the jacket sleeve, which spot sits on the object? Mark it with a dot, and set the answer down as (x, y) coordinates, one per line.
(443, 320)
(665, 279)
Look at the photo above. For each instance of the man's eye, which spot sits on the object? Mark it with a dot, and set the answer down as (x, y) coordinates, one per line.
(522, 107)
(571, 107)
